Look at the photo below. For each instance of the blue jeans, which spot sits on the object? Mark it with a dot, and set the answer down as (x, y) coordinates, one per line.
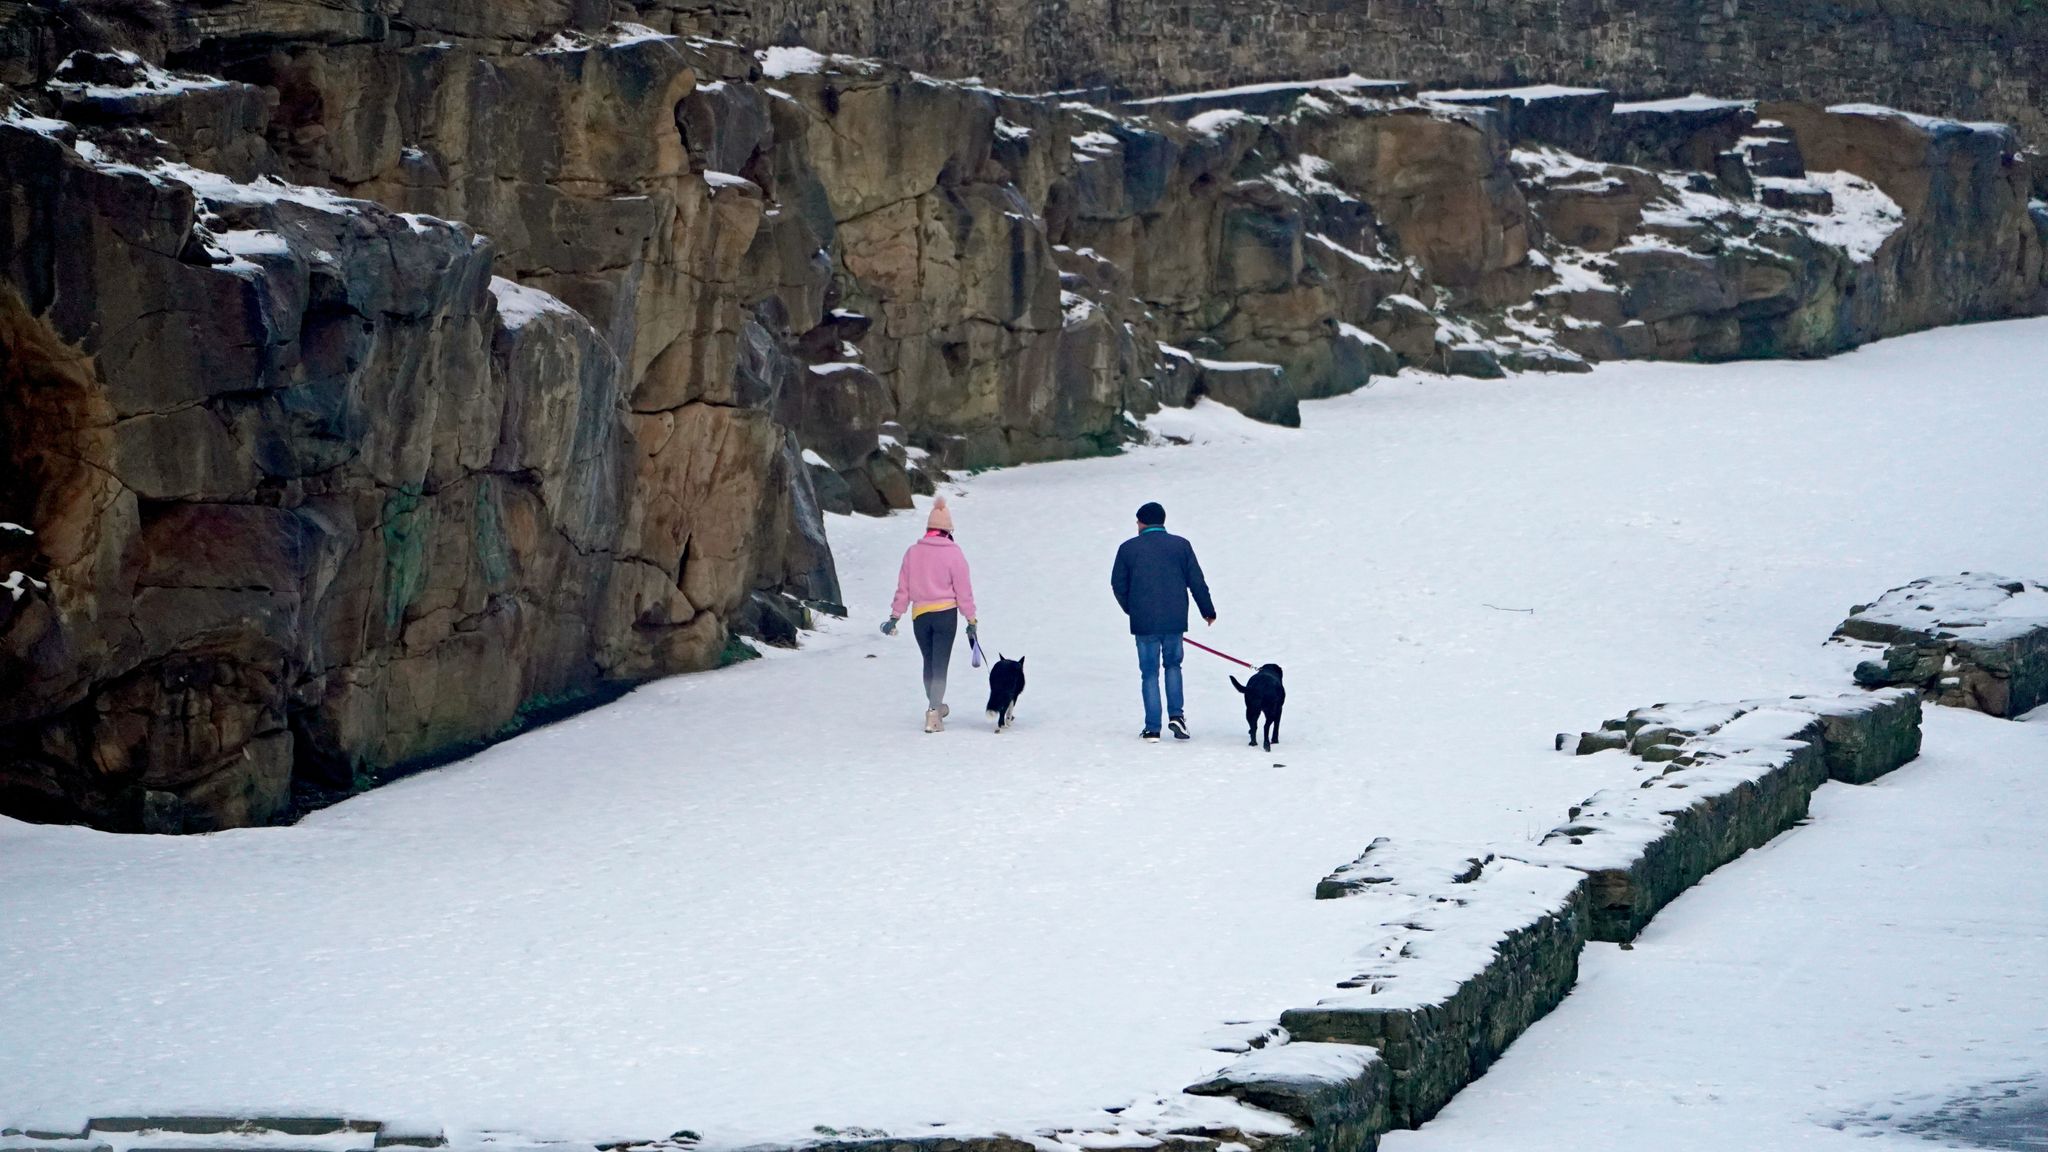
(1152, 650)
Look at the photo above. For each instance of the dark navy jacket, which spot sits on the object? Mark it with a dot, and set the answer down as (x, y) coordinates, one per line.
(1155, 571)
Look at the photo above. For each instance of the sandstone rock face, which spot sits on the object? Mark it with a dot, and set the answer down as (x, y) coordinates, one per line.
(1972, 60)
(383, 376)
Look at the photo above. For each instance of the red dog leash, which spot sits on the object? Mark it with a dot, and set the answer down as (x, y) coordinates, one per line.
(1225, 655)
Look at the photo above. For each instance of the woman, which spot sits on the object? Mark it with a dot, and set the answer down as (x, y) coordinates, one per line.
(933, 584)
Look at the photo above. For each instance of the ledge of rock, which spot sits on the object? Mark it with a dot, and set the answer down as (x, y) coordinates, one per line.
(1717, 780)
(1339, 1092)
(1971, 641)
(1472, 950)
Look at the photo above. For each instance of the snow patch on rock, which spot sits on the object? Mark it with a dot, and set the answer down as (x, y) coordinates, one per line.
(519, 305)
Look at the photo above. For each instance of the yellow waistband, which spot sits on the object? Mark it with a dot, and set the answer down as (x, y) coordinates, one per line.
(917, 610)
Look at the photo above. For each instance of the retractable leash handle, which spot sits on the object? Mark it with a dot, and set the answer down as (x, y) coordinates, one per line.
(975, 659)
(1224, 655)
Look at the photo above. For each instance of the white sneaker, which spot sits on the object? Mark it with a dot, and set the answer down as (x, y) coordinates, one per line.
(933, 722)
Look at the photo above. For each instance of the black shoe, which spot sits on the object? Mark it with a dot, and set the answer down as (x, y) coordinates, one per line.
(1151, 735)
(1178, 725)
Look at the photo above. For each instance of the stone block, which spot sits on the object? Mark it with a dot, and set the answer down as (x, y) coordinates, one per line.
(1734, 776)
(1975, 640)
(1338, 1092)
(1474, 950)
(1797, 196)
(1258, 390)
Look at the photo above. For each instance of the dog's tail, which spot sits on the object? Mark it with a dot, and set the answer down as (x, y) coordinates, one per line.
(1235, 684)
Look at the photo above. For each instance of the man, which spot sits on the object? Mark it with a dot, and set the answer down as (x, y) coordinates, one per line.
(1154, 574)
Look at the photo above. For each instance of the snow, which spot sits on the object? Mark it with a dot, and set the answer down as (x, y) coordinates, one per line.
(215, 188)
(815, 460)
(1007, 130)
(519, 305)
(1863, 219)
(619, 35)
(1376, 263)
(423, 224)
(154, 81)
(1870, 980)
(21, 117)
(1213, 123)
(727, 180)
(780, 61)
(18, 582)
(11, 526)
(1693, 103)
(248, 248)
(1096, 143)
(1354, 332)
(1336, 84)
(1978, 606)
(1434, 929)
(1615, 825)
(1930, 123)
(1579, 272)
(759, 900)
(1525, 94)
(1211, 423)
(1555, 166)
(1307, 175)
(1076, 307)
(1305, 1063)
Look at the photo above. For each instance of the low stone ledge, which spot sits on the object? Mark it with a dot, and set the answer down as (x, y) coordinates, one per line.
(1974, 640)
(1863, 735)
(1338, 1092)
(1718, 780)
(1475, 949)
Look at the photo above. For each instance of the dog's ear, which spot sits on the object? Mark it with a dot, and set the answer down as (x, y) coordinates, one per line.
(1020, 661)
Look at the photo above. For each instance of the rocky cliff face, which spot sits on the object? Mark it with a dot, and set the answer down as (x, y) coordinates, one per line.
(1970, 59)
(379, 377)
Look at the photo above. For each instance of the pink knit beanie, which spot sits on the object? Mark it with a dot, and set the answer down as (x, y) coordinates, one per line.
(941, 519)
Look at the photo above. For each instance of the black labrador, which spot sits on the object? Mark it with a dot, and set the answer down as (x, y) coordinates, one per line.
(1005, 684)
(1264, 696)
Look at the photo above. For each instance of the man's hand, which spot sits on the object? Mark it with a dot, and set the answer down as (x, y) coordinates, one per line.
(1209, 620)
(889, 626)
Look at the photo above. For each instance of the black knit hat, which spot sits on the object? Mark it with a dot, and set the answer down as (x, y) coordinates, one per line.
(1152, 514)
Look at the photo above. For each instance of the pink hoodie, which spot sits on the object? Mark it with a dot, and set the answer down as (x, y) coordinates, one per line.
(934, 570)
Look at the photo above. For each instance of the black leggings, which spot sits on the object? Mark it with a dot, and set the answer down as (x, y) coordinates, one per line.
(934, 632)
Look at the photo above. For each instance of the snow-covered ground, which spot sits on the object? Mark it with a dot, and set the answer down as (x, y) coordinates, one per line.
(755, 901)
(1876, 979)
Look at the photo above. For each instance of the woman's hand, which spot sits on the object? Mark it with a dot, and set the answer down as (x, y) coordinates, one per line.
(889, 626)
(970, 631)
